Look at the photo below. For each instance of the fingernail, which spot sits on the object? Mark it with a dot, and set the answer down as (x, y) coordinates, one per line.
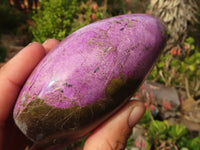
(135, 116)
(45, 42)
(31, 43)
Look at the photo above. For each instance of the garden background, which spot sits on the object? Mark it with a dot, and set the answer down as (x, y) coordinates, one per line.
(172, 91)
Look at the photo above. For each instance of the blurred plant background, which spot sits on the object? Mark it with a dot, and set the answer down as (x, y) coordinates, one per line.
(165, 125)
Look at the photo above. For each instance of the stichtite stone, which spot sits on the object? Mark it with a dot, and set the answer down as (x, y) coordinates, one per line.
(87, 78)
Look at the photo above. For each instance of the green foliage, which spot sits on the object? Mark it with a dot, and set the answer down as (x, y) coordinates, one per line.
(195, 143)
(54, 20)
(146, 119)
(130, 143)
(162, 135)
(59, 18)
(88, 12)
(158, 130)
(177, 131)
(179, 68)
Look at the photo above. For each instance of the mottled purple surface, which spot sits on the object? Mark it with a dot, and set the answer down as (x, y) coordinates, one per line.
(80, 68)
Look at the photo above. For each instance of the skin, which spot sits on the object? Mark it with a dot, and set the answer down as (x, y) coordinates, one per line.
(111, 135)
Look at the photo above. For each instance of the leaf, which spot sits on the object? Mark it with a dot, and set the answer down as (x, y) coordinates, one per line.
(198, 72)
(158, 128)
(146, 119)
(190, 40)
(192, 68)
(182, 68)
(174, 63)
(190, 60)
(192, 47)
(177, 131)
(196, 142)
(197, 55)
(161, 65)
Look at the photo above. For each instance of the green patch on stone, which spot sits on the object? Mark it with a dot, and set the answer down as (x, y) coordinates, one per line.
(42, 122)
(130, 24)
(121, 88)
(114, 86)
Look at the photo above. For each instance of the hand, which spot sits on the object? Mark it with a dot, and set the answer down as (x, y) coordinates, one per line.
(111, 135)
(12, 77)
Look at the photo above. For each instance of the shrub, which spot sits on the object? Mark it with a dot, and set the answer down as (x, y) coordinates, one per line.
(162, 135)
(180, 68)
(54, 19)
(57, 19)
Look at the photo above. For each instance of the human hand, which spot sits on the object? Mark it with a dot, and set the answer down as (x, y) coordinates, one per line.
(111, 135)
(12, 77)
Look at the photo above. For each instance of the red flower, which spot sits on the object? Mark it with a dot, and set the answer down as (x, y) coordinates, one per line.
(136, 96)
(143, 143)
(175, 51)
(137, 142)
(152, 107)
(146, 106)
(94, 6)
(142, 87)
(140, 142)
(127, 0)
(22, 6)
(12, 2)
(94, 16)
(185, 47)
(167, 105)
(151, 95)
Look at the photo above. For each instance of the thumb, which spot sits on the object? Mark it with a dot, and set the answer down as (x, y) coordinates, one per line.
(113, 134)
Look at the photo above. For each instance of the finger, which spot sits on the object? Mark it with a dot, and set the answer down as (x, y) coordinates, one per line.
(50, 44)
(113, 134)
(14, 74)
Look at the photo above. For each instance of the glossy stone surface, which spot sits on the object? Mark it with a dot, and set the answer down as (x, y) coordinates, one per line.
(88, 77)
